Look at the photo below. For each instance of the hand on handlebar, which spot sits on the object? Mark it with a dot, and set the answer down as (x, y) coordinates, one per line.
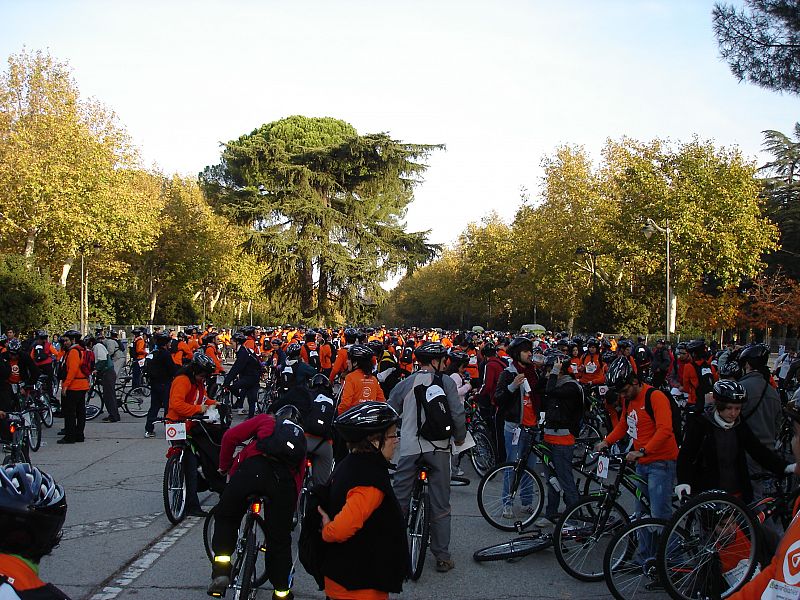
(600, 446)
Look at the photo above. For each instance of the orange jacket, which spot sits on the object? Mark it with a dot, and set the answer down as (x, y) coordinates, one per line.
(592, 362)
(25, 578)
(211, 350)
(359, 387)
(75, 380)
(325, 356)
(186, 398)
(691, 381)
(656, 437)
(340, 364)
(183, 351)
(472, 365)
(139, 348)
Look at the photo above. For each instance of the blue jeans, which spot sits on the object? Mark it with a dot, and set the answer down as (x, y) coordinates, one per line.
(562, 462)
(513, 452)
(660, 478)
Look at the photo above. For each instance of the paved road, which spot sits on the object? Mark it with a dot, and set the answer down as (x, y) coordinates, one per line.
(118, 543)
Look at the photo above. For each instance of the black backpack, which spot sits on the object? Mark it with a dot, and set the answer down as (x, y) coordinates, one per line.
(674, 408)
(319, 419)
(432, 402)
(705, 375)
(286, 445)
(557, 416)
(313, 357)
(407, 356)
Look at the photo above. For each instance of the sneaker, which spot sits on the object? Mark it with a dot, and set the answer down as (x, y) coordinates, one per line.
(242, 411)
(508, 512)
(443, 566)
(458, 472)
(109, 419)
(219, 585)
(149, 434)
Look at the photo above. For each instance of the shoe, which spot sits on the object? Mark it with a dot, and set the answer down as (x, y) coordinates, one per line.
(443, 566)
(276, 595)
(149, 434)
(195, 512)
(508, 512)
(57, 413)
(80, 439)
(219, 585)
(242, 411)
(62, 432)
(458, 472)
(109, 419)
(65, 440)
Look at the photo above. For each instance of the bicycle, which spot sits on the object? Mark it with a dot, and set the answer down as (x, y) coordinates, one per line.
(419, 519)
(515, 548)
(302, 499)
(135, 401)
(16, 450)
(248, 573)
(511, 496)
(482, 455)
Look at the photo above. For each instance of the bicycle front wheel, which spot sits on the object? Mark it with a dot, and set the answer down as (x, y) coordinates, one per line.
(174, 489)
(581, 536)
(516, 548)
(94, 403)
(709, 548)
(419, 525)
(34, 431)
(482, 455)
(629, 565)
(137, 401)
(46, 411)
(508, 496)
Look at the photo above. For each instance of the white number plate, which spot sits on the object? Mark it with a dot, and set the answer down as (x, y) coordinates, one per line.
(220, 379)
(176, 431)
(603, 389)
(602, 467)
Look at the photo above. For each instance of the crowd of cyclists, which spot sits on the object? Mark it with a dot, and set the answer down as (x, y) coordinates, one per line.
(690, 416)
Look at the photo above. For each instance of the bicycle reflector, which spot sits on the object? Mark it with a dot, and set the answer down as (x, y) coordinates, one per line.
(12, 428)
(423, 475)
(256, 508)
(222, 558)
(308, 463)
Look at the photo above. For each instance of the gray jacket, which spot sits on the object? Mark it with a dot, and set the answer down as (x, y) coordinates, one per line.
(763, 415)
(402, 399)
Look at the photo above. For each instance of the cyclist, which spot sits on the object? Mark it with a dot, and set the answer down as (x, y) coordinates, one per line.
(436, 453)
(295, 371)
(276, 357)
(212, 351)
(32, 512)
(340, 364)
(592, 368)
(44, 357)
(389, 373)
(655, 448)
(360, 385)
(366, 549)
(456, 369)
(104, 368)
(309, 353)
(244, 376)
(162, 369)
(187, 398)
(254, 473)
(325, 353)
(73, 390)
(712, 456)
(660, 363)
(699, 375)
(138, 352)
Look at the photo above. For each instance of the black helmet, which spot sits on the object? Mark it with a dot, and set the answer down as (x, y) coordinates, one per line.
(458, 357)
(358, 351)
(609, 357)
(32, 510)
(72, 334)
(162, 336)
(350, 335)
(592, 342)
(377, 347)
(293, 351)
(42, 334)
(641, 339)
(620, 373)
(624, 344)
(288, 412)
(730, 369)
(248, 330)
(430, 351)
(551, 356)
(695, 346)
(518, 344)
(562, 343)
(310, 335)
(756, 355)
(729, 392)
(318, 382)
(202, 363)
(239, 337)
(489, 349)
(364, 419)
(14, 345)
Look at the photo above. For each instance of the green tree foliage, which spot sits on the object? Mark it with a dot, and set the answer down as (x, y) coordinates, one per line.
(761, 45)
(29, 300)
(324, 206)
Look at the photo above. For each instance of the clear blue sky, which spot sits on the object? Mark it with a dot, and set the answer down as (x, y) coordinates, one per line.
(501, 83)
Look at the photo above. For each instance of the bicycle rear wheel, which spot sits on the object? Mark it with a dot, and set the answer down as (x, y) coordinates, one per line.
(34, 430)
(508, 497)
(244, 586)
(581, 536)
(482, 455)
(419, 525)
(45, 410)
(709, 548)
(174, 489)
(629, 565)
(94, 403)
(516, 548)
(137, 401)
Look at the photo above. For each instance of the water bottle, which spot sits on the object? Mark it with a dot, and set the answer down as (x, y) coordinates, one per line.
(554, 482)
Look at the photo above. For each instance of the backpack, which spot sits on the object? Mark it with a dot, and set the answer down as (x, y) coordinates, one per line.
(313, 356)
(556, 416)
(319, 419)
(705, 375)
(432, 402)
(675, 409)
(407, 356)
(132, 349)
(310, 546)
(286, 445)
(87, 362)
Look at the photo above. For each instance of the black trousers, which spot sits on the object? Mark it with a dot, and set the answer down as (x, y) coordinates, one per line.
(74, 410)
(258, 476)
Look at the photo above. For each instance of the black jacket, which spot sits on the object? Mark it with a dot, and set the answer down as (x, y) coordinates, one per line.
(376, 556)
(698, 463)
(246, 366)
(161, 367)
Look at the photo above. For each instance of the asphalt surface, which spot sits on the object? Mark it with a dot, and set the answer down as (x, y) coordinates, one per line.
(119, 544)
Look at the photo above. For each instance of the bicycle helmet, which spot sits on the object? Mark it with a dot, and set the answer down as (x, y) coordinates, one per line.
(552, 356)
(620, 373)
(14, 345)
(756, 355)
(517, 345)
(72, 334)
(489, 349)
(458, 357)
(32, 511)
(696, 346)
(377, 347)
(364, 419)
(319, 382)
(729, 392)
(623, 344)
(350, 335)
(293, 351)
(592, 342)
(609, 357)
(310, 335)
(248, 330)
(430, 351)
(42, 335)
(288, 412)
(731, 369)
(162, 336)
(202, 362)
(358, 351)
(239, 337)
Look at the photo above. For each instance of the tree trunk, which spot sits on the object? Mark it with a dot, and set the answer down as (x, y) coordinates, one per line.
(196, 295)
(65, 271)
(30, 242)
(306, 286)
(153, 299)
(239, 312)
(322, 293)
(214, 299)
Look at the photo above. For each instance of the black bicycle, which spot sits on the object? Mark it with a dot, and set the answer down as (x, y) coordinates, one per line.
(419, 519)
(17, 450)
(515, 548)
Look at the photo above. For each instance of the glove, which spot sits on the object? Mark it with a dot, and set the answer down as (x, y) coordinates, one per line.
(681, 489)
(384, 375)
(790, 469)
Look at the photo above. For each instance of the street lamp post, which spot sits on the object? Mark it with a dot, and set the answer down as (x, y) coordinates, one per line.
(648, 229)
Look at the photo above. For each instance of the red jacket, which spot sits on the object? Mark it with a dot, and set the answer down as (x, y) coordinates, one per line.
(491, 373)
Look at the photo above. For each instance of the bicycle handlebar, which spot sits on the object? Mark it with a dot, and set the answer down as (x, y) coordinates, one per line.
(171, 421)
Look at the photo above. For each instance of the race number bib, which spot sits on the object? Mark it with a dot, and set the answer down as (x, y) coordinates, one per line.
(591, 367)
(778, 590)
(602, 390)
(633, 422)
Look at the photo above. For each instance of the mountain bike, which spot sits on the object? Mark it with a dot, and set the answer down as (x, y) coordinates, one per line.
(419, 519)
(302, 498)
(16, 450)
(482, 455)
(135, 401)
(515, 548)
